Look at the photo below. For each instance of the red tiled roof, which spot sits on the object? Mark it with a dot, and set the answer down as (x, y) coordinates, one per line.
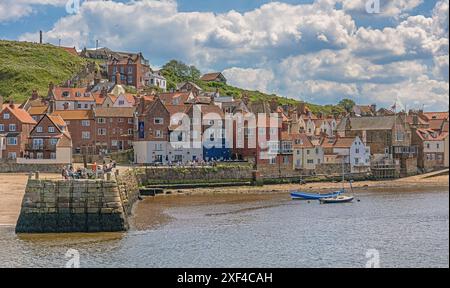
(70, 50)
(436, 115)
(74, 94)
(37, 110)
(21, 115)
(210, 76)
(344, 142)
(430, 135)
(168, 98)
(304, 141)
(75, 114)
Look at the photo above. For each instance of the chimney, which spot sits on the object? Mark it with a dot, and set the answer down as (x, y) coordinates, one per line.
(11, 103)
(301, 107)
(274, 104)
(373, 108)
(34, 95)
(40, 37)
(415, 120)
(117, 78)
(213, 101)
(104, 92)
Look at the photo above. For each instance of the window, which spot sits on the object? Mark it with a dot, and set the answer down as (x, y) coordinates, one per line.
(158, 147)
(437, 146)
(51, 129)
(286, 159)
(308, 152)
(120, 120)
(53, 155)
(39, 155)
(86, 106)
(85, 123)
(67, 123)
(86, 135)
(130, 131)
(6, 116)
(428, 145)
(114, 143)
(356, 161)
(12, 155)
(79, 106)
(130, 121)
(101, 131)
(2, 127)
(12, 127)
(53, 141)
(39, 129)
(400, 136)
(130, 70)
(101, 120)
(310, 161)
(273, 160)
(121, 102)
(158, 134)
(357, 150)
(11, 141)
(159, 121)
(66, 94)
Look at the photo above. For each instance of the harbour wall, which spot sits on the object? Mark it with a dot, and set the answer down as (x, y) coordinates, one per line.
(65, 206)
(10, 167)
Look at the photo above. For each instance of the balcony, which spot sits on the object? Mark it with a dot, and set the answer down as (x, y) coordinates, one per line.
(40, 147)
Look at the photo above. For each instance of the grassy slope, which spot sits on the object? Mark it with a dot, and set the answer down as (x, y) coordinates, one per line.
(28, 66)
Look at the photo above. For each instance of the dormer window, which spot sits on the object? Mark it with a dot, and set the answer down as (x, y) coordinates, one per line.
(87, 94)
(66, 94)
(77, 94)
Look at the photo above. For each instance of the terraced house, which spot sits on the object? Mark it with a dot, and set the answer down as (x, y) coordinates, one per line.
(15, 127)
(49, 143)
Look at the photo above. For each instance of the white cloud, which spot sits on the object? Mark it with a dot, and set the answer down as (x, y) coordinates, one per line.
(251, 79)
(307, 51)
(11, 10)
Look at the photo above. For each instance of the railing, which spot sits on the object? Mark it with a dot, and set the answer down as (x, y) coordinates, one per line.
(40, 147)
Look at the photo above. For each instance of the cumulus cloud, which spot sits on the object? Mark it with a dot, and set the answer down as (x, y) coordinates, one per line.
(11, 10)
(307, 51)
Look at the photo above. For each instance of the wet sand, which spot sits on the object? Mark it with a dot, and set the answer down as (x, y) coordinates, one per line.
(410, 183)
(12, 189)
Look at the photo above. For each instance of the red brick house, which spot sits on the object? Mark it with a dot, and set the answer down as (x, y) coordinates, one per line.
(15, 127)
(82, 128)
(214, 77)
(49, 140)
(114, 128)
(129, 69)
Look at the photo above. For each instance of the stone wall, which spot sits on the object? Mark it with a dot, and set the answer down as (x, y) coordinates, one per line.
(185, 174)
(9, 167)
(332, 168)
(58, 206)
(120, 157)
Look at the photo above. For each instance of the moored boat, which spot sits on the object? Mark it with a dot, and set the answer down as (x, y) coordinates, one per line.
(337, 199)
(311, 196)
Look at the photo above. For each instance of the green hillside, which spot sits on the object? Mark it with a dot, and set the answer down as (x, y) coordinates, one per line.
(27, 66)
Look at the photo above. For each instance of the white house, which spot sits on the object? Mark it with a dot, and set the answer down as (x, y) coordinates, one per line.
(354, 152)
(306, 155)
(158, 80)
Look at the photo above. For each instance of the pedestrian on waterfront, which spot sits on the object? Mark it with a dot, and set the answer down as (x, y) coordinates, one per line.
(65, 173)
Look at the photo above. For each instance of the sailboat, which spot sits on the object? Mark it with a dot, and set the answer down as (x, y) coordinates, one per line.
(340, 198)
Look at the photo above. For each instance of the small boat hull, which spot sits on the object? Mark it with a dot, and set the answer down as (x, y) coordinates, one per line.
(336, 200)
(310, 196)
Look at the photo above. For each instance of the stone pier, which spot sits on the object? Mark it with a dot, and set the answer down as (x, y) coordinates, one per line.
(63, 206)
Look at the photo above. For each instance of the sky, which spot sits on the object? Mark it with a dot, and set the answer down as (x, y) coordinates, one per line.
(319, 51)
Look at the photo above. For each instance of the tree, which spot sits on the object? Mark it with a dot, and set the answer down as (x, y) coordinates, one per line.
(347, 104)
(176, 71)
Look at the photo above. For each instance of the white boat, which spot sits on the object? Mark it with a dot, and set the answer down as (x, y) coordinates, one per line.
(337, 199)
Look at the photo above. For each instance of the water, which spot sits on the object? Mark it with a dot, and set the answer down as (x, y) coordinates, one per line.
(407, 229)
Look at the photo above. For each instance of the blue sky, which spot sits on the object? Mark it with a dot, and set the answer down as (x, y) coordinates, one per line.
(315, 50)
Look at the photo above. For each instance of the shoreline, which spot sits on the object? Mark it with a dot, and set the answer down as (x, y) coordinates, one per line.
(419, 182)
(13, 189)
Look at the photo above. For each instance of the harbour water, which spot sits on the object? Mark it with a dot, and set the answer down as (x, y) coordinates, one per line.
(408, 229)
